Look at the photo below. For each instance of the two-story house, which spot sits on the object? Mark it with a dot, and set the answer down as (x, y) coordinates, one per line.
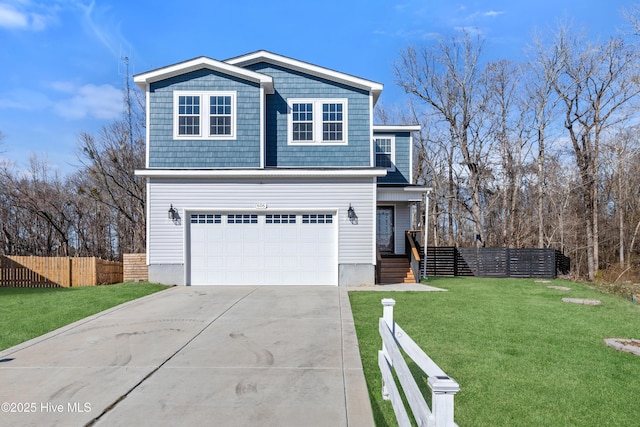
(266, 170)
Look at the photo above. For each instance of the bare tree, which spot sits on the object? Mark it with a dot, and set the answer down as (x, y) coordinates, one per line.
(110, 160)
(596, 84)
(545, 68)
(39, 221)
(446, 78)
(511, 134)
(621, 187)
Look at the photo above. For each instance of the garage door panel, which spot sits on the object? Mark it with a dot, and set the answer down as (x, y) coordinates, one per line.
(214, 276)
(290, 263)
(257, 249)
(289, 249)
(232, 277)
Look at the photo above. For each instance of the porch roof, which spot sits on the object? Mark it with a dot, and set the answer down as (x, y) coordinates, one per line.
(401, 193)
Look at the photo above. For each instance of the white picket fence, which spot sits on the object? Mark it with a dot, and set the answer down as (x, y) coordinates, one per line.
(443, 388)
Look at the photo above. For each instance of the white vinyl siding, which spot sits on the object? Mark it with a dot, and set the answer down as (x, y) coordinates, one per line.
(166, 242)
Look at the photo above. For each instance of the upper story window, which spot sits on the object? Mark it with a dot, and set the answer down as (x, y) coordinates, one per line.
(302, 121)
(317, 121)
(188, 115)
(385, 152)
(204, 115)
(220, 117)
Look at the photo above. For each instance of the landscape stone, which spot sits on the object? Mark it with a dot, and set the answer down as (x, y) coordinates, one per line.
(627, 345)
(582, 301)
(559, 288)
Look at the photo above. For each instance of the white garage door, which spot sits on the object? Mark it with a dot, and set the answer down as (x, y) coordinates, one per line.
(263, 249)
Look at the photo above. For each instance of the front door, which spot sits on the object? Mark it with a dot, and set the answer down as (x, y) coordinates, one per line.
(384, 229)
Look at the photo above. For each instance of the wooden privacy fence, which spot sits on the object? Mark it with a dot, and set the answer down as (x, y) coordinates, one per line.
(443, 388)
(53, 272)
(135, 268)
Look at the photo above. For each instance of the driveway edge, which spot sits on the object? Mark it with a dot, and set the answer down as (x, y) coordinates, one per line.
(33, 341)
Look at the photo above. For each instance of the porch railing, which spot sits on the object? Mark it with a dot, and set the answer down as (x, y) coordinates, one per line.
(413, 254)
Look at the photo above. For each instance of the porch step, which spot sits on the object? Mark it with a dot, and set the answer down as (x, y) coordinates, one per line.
(396, 270)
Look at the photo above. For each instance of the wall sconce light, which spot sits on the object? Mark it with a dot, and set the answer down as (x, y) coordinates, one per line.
(351, 214)
(173, 213)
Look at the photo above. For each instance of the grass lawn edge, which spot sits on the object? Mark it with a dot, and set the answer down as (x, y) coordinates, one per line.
(74, 324)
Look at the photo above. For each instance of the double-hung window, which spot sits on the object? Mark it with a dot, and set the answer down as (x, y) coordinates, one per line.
(317, 121)
(302, 121)
(188, 115)
(385, 152)
(204, 115)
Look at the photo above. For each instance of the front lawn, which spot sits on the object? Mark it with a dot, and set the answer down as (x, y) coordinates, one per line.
(26, 313)
(522, 357)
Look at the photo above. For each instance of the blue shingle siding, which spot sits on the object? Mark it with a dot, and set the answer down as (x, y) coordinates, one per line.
(402, 154)
(243, 151)
(292, 84)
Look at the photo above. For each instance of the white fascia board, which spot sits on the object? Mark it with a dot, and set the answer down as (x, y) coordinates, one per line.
(144, 79)
(402, 194)
(416, 189)
(259, 173)
(396, 128)
(305, 67)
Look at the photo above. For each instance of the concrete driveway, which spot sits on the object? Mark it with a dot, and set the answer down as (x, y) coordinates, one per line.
(193, 356)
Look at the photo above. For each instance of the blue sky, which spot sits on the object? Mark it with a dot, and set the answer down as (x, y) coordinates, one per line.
(62, 72)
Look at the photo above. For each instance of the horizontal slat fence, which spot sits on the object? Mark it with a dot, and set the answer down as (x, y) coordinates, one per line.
(445, 261)
(135, 268)
(53, 272)
(510, 262)
(563, 263)
(495, 262)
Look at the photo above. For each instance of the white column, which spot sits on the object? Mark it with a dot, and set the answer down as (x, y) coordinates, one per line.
(426, 232)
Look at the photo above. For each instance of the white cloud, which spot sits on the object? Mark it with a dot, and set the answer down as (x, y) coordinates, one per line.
(100, 102)
(26, 15)
(24, 99)
(470, 30)
(63, 87)
(39, 22)
(99, 23)
(12, 18)
(493, 13)
(68, 100)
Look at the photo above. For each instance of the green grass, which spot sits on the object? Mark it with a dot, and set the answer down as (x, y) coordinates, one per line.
(26, 313)
(522, 357)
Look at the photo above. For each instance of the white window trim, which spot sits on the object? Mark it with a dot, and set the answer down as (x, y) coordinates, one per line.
(205, 114)
(391, 168)
(317, 120)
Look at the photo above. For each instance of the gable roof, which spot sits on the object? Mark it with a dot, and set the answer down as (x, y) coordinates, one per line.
(203, 62)
(307, 68)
